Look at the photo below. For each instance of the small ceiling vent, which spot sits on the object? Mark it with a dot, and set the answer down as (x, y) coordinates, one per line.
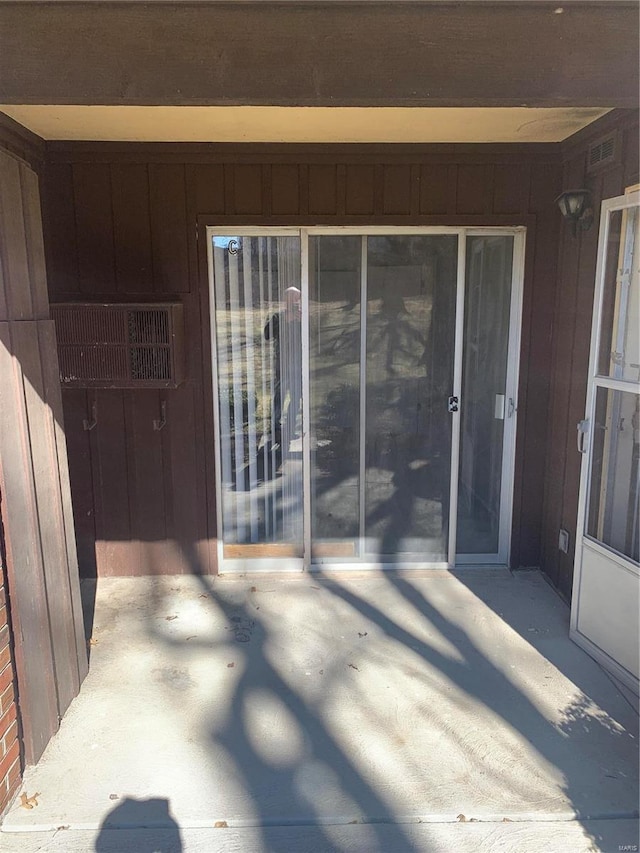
(119, 346)
(602, 153)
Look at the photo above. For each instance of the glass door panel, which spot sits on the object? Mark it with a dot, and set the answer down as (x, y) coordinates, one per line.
(485, 405)
(410, 343)
(257, 330)
(614, 490)
(335, 345)
(619, 356)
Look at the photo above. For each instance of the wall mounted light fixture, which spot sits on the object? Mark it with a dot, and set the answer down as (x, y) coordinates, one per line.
(575, 205)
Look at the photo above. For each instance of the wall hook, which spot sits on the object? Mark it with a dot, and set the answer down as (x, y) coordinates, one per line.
(88, 425)
(162, 422)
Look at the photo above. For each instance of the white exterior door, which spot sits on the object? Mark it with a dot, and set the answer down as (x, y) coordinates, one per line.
(606, 591)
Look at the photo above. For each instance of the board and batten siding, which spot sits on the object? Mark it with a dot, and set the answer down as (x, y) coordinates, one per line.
(126, 222)
(42, 592)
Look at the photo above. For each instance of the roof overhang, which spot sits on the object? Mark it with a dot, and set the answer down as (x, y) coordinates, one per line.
(321, 54)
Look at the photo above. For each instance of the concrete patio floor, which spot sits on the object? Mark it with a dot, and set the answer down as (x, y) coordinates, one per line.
(379, 713)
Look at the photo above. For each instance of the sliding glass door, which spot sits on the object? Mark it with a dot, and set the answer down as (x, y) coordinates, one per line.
(382, 319)
(365, 387)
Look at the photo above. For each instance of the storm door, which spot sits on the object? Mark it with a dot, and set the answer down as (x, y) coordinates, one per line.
(606, 590)
(365, 387)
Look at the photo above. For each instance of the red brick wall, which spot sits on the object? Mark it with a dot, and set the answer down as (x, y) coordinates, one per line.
(10, 763)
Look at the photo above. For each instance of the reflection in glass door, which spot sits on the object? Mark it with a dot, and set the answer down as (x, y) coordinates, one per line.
(257, 338)
(364, 387)
(411, 332)
(335, 368)
(382, 334)
(488, 399)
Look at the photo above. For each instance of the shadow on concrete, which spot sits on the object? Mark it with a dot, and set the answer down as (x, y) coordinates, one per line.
(324, 754)
(565, 745)
(130, 814)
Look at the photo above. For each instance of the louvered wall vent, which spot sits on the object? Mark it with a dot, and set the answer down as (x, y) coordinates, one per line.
(601, 153)
(120, 346)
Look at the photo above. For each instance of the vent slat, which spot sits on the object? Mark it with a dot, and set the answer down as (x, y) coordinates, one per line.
(150, 363)
(148, 327)
(91, 326)
(119, 346)
(92, 362)
(601, 153)
(607, 149)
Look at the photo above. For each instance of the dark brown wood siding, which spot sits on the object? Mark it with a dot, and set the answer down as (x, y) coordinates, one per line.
(121, 223)
(35, 507)
(572, 312)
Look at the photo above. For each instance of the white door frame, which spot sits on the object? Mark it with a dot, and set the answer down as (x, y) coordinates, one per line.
(595, 381)
(508, 467)
(511, 395)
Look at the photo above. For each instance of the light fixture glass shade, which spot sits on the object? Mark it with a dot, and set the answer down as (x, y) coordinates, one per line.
(573, 203)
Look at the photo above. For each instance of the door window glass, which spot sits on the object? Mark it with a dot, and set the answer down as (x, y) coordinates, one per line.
(619, 355)
(410, 340)
(259, 364)
(335, 343)
(615, 485)
(485, 405)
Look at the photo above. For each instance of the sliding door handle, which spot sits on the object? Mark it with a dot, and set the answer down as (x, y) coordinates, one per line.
(503, 407)
(583, 431)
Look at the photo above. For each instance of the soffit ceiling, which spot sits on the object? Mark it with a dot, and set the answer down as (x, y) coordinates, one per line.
(302, 124)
